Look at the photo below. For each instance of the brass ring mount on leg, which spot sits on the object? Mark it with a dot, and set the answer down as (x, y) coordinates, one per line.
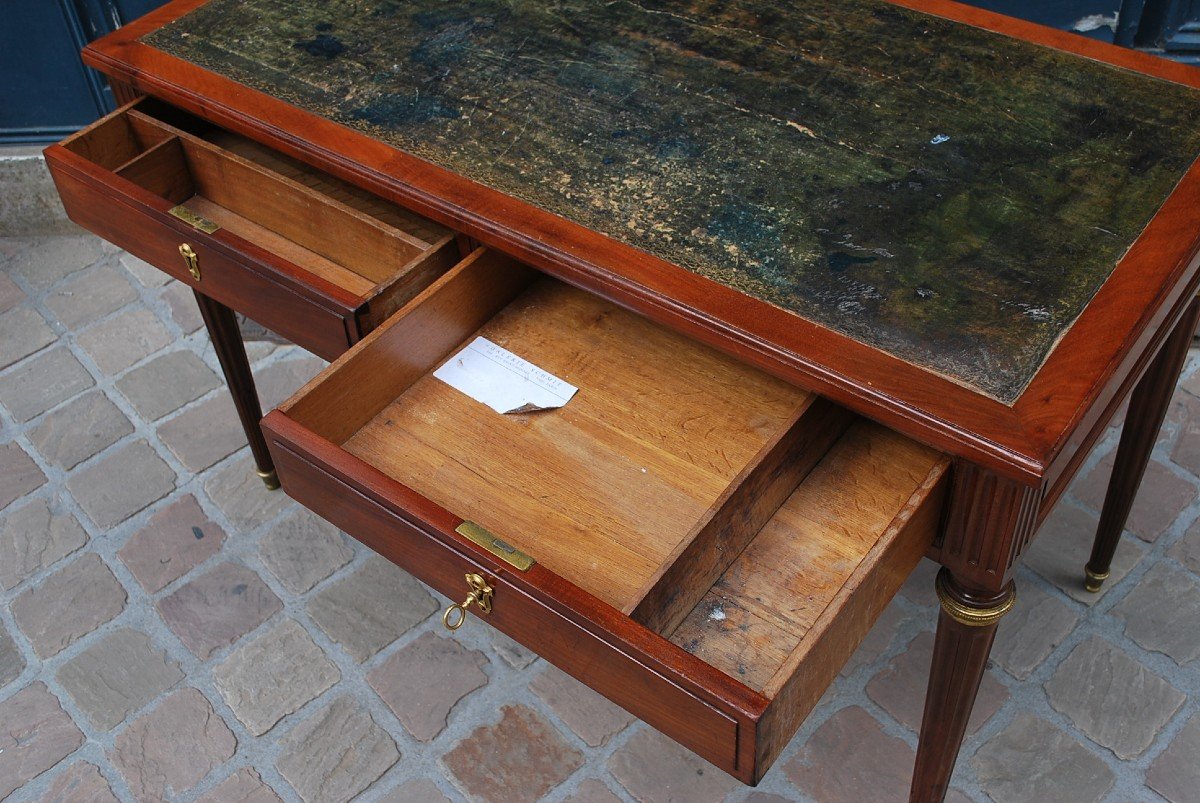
(269, 478)
(964, 613)
(1094, 580)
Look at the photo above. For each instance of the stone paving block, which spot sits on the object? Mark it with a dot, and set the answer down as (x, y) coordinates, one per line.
(273, 676)
(18, 474)
(121, 341)
(35, 734)
(165, 753)
(766, 797)
(1162, 497)
(68, 605)
(522, 757)
(1162, 611)
(182, 303)
(46, 260)
(79, 783)
(254, 331)
(279, 380)
(420, 790)
(1191, 379)
(12, 244)
(116, 676)
(22, 332)
(146, 274)
(1062, 546)
(241, 495)
(90, 296)
(121, 483)
(166, 383)
(1029, 633)
(35, 537)
(513, 653)
(29, 204)
(80, 429)
(850, 758)
(335, 753)
(1187, 549)
(1175, 773)
(899, 688)
(423, 681)
(11, 662)
(1033, 760)
(1112, 698)
(1181, 408)
(259, 350)
(217, 608)
(878, 639)
(1186, 452)
(590, 715)
(10, 294)
(303, 549)
(205, 433)
(175, 540)
(654, 769)
(43, 382)
(369, 609)
(244, 786)
(594, 791)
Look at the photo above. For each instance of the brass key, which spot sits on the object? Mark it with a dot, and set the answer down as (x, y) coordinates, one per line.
(481, 595)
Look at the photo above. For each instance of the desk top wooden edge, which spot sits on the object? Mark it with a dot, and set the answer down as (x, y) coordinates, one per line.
(1031, 440)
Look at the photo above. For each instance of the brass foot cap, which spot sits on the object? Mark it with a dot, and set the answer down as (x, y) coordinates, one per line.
(270, 479)
(1094, 580)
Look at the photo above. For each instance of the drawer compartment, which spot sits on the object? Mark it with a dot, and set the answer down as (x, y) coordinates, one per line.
(311, 257)
(711, 543)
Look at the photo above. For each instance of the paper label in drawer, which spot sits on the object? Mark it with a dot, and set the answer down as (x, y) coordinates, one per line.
(502, 380)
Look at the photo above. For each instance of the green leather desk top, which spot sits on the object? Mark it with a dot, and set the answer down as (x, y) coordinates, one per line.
(945, 194)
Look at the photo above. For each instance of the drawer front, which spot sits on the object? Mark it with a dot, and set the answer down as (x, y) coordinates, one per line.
(615, 670)
(138, 222)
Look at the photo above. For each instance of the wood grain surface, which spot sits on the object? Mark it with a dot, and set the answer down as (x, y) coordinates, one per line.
(606, 489)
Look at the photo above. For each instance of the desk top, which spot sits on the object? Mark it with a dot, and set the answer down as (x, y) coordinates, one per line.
(945, 198)
(945, 194)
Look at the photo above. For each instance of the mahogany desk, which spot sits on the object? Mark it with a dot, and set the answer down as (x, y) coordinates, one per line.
(894, 267)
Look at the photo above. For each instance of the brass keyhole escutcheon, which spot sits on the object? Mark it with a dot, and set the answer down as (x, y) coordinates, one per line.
(480, 594)
(191, 259)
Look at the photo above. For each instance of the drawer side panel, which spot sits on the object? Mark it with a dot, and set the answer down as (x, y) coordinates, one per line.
(845, 623)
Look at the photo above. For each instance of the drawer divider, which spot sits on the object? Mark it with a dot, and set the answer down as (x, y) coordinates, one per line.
(162, 170)
(735, 518)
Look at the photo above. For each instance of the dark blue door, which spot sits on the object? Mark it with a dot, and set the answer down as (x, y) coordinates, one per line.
(45, 91)
(1172, 26)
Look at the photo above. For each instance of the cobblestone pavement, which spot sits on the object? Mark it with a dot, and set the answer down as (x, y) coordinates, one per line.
(171, 630)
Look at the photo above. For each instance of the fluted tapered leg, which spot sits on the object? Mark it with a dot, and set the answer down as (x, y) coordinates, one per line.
(231, 353)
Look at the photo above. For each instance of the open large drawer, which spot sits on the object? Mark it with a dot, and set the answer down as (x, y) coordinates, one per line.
(711, 544)
(317, 260)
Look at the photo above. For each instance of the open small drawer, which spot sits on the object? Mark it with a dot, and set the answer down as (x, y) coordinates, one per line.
(711, 544)
(309, 256)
